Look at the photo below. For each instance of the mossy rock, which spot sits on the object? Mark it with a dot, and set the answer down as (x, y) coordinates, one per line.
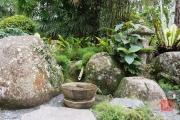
(103, 71)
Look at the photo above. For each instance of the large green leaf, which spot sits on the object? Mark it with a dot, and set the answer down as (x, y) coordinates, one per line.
(135, 62)
(102, 42)
(138, 36)
(64, 42)
(117, 37)
(128, 31)
(123, 49)
(134, 48)
(134, 55)
(118, 27)
(173, 31)
(125, 41)
(129, 58)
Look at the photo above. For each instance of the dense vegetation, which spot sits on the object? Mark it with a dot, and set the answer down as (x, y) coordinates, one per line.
(107, 111)
(77, 29)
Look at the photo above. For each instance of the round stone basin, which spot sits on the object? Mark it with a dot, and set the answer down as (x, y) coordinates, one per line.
(79, 90)
(82, 104)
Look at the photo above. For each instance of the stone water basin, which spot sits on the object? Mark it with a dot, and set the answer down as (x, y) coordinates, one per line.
(79, 104)
(79, 95)
(79, 90)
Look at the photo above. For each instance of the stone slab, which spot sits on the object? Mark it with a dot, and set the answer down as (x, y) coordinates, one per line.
(61, 113)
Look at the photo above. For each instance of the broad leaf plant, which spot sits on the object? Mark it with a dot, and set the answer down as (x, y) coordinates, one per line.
(124, 44)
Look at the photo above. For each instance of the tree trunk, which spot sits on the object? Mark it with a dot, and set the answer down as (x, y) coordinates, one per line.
(177, 13)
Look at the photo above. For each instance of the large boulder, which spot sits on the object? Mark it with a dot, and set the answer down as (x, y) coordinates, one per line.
(29, 75)
(103, 71)
(167, 66)
(141, 88)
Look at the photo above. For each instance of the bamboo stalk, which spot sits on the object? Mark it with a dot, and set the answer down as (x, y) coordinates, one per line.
(81, 73)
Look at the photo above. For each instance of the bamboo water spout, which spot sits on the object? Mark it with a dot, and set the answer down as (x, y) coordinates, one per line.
(81, 73)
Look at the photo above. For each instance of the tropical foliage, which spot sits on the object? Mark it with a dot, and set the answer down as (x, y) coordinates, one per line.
(172, 38)
(168, 39)
(124, 45)
(81, 18)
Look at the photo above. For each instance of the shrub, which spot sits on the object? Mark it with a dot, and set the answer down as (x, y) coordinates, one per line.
(19, 21)
(75, 48)
(77, 54)
(107, 111)
(64, 62)
(83, 51)
(71, 54)
(11, 32)
(87, 56)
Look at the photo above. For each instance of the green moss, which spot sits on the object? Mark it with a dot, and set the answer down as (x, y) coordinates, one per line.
(107, 111)
(56, 76)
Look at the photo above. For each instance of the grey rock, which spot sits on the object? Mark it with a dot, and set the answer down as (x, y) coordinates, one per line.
(16, 114)
(29, 75)
(62, 113)
(103, 71)
(167, 66)
(145, 30)
(167, 115)
(127, 103)
(142, 88)
(55, 101)
(101, 98)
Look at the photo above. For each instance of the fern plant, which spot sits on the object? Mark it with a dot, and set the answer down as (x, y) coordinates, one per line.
(172, 36)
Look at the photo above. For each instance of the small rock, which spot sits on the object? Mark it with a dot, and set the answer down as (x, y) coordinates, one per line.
(126, 102)
(167, 115)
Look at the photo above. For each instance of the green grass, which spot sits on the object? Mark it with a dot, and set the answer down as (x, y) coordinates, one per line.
(107, 111)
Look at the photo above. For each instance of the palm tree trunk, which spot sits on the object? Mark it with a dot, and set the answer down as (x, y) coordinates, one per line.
(177, 13)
